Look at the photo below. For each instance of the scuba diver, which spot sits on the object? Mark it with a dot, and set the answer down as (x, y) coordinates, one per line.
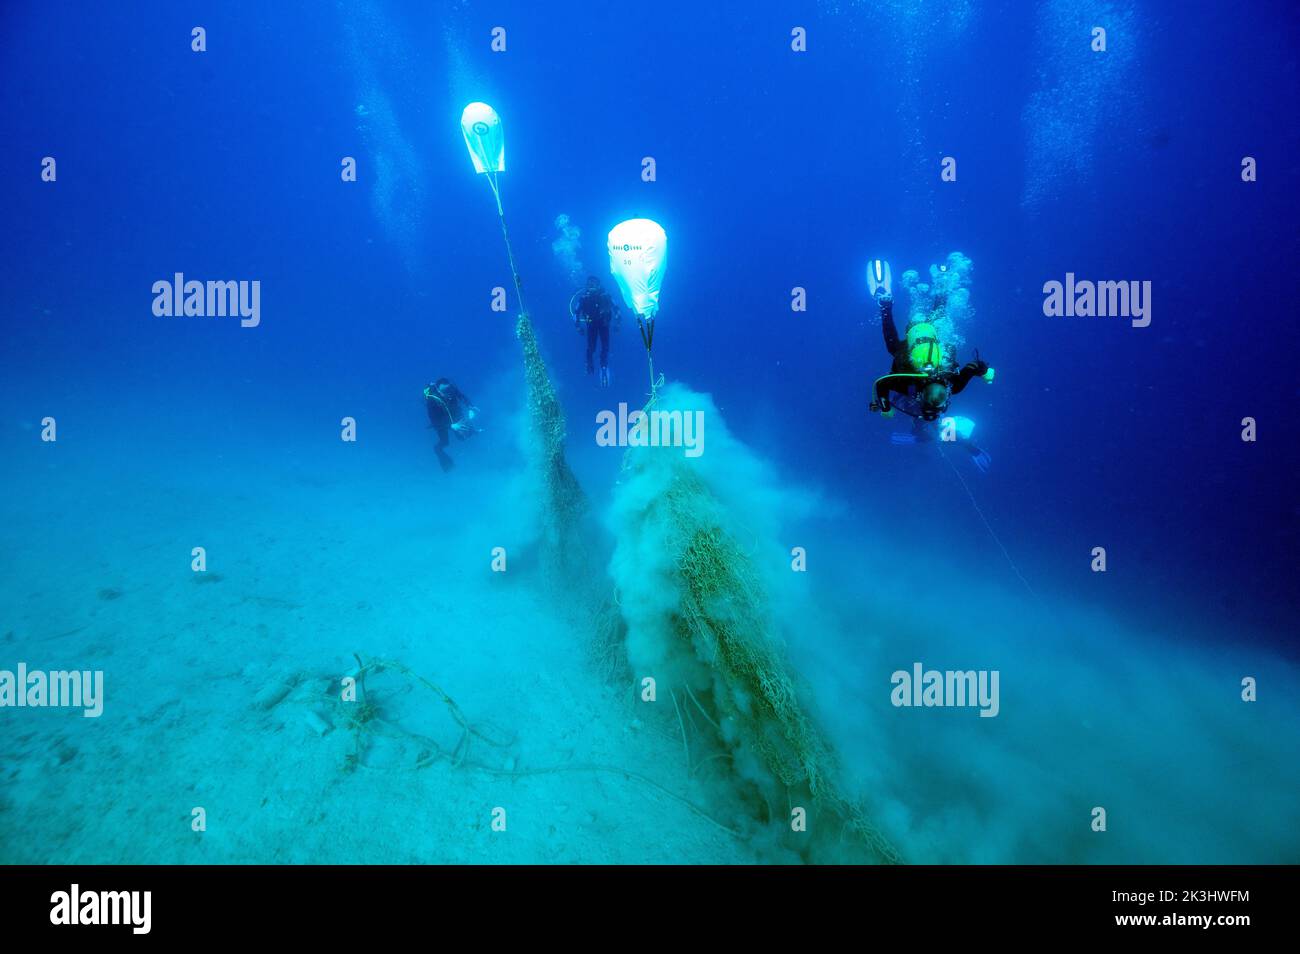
(450, 412)
(593, 308)
(924, 375)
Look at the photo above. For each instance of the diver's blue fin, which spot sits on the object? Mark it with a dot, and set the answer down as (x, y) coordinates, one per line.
(878, 277)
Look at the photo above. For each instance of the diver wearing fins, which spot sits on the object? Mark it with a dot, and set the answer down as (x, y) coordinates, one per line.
(955, 430)
(923, 375)
(594, 312)
(450, 412)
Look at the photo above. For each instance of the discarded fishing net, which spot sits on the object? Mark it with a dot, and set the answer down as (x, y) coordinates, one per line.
(563, 502)
(567, 564)
(373, 720)
(399, 721)
(699, 624)
(567, 558)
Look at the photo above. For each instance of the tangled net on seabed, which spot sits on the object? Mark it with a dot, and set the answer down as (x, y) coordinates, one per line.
(368, 719)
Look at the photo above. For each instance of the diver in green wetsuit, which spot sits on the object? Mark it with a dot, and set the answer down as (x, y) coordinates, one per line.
(923, 375)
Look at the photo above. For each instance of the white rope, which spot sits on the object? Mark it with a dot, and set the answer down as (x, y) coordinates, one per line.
(988, 526)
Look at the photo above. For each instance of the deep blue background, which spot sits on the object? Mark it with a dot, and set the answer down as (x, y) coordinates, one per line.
(775, 169)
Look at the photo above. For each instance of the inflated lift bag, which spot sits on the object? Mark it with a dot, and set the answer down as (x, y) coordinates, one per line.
(638, 250)
(484, 137)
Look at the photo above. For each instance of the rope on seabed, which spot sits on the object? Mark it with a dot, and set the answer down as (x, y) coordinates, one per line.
(458, 756)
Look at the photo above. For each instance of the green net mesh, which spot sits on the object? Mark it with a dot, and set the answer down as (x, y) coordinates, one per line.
(564, 504)
(567, 559)
(722, 619)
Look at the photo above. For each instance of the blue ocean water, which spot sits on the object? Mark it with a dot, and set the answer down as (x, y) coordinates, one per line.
(774, 169)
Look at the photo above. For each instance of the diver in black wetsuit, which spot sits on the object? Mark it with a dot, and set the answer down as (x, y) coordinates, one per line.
(922, 373)
(450, 412)
(597, 311)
